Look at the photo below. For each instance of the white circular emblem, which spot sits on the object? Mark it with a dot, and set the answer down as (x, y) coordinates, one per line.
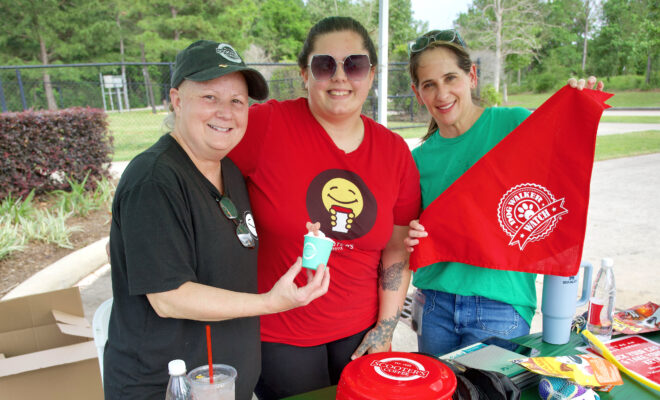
(309, 251)
(399, 369)
(228, 52)
(529, 212)
(249, 222)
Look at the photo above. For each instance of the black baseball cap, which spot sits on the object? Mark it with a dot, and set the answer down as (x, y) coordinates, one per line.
(205, 60)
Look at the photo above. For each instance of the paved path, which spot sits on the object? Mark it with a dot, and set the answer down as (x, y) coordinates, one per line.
(612, 128)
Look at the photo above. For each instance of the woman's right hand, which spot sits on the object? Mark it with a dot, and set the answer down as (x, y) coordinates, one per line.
(415, 232)
(590, 83)
(286, 295)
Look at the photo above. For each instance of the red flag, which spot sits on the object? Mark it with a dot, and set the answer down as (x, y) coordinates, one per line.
(523, 205)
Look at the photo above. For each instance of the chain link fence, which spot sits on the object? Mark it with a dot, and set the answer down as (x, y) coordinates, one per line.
(127, 87)
(136, 96)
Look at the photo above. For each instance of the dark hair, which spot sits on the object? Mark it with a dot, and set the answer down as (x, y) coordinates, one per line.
(336, 24)
(463, 61)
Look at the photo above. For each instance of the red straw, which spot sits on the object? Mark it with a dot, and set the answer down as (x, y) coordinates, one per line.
(210, 352)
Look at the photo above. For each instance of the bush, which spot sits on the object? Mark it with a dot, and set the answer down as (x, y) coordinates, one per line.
(548, 82)
(624, 82)
(41, 150)
(490, 97)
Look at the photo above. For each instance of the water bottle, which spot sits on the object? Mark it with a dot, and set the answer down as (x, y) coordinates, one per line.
(178, 387)
(601, 303)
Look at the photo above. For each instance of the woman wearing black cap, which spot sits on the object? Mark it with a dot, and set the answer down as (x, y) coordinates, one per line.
(182, 240)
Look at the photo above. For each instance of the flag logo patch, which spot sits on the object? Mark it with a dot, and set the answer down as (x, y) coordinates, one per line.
(528, 213)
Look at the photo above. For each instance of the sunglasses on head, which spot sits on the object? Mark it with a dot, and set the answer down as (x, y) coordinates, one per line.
(324, 66)
(231, 212)
(449, 35)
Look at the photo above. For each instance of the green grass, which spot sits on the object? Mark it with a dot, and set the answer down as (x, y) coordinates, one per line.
(134, 132)
(607, 146)
(137, 130)
(620, 99)
(627, 144)
(408, 133)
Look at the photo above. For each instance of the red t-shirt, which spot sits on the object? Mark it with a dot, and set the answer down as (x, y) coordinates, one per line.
(295, 173)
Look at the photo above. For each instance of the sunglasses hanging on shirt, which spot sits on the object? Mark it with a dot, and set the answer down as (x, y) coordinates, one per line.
(324, 66)
(231, 212)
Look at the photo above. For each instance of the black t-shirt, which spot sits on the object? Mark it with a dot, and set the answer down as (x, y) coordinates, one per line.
(168, 229)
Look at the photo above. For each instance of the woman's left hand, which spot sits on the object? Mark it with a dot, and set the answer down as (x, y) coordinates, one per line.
(589, 83)
(378, 339)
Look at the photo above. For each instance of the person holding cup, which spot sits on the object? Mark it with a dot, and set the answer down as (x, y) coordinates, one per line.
(183, 245)
(462, 303)
(319, 159)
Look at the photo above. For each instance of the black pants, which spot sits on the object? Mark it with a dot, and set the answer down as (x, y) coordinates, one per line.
(288, 370)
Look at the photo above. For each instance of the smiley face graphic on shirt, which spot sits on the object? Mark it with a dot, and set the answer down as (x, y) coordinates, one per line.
(342, 202)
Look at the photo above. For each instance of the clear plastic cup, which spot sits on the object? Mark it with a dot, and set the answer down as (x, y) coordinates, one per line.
(223, 386)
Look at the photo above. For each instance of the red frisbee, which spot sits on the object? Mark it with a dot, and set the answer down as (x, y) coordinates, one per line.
(396, 376)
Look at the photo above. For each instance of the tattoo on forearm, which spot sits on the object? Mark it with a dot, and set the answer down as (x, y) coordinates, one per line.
(390, 278)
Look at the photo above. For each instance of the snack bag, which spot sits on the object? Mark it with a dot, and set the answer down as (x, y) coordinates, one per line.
(583, 369)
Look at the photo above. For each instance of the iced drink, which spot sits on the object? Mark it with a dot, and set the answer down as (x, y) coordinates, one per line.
(222, 388)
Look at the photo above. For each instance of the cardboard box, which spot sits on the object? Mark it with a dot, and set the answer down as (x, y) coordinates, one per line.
(47, 349)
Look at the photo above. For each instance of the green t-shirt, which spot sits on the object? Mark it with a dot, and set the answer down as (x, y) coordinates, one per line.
(440, 162)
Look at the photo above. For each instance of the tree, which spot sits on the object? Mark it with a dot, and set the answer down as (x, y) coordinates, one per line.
(363, 11)
(234, 22)
(561, 51)
(648, 42)
(281, 28)
(629, 40)
(52, 31)
(504, 26)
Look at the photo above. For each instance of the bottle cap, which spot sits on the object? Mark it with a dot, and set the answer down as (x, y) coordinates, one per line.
(177, 367)
(607, 262)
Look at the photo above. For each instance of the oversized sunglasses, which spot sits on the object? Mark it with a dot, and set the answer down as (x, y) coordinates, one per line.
(231, 212)
(324, 66)
(448, 35)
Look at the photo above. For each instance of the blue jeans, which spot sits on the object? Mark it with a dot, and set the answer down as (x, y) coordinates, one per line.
(451, 321)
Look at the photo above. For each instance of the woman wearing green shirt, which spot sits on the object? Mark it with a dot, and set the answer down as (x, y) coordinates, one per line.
(463, 303)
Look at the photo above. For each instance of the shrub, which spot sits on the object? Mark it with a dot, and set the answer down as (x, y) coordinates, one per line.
(489, 96)
(11, 238)
(40, 150)
(624, 82)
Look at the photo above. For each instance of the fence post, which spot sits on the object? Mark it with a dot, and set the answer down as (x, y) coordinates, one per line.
(125, 85)
(59, 91)
(478, 76)
(167, 93)
(2, 98)
(20, 88)
(105, 106)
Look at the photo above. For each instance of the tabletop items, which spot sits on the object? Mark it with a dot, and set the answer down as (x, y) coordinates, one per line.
(396, 376)
(559, 303)
(601, 303)
(178, 388)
